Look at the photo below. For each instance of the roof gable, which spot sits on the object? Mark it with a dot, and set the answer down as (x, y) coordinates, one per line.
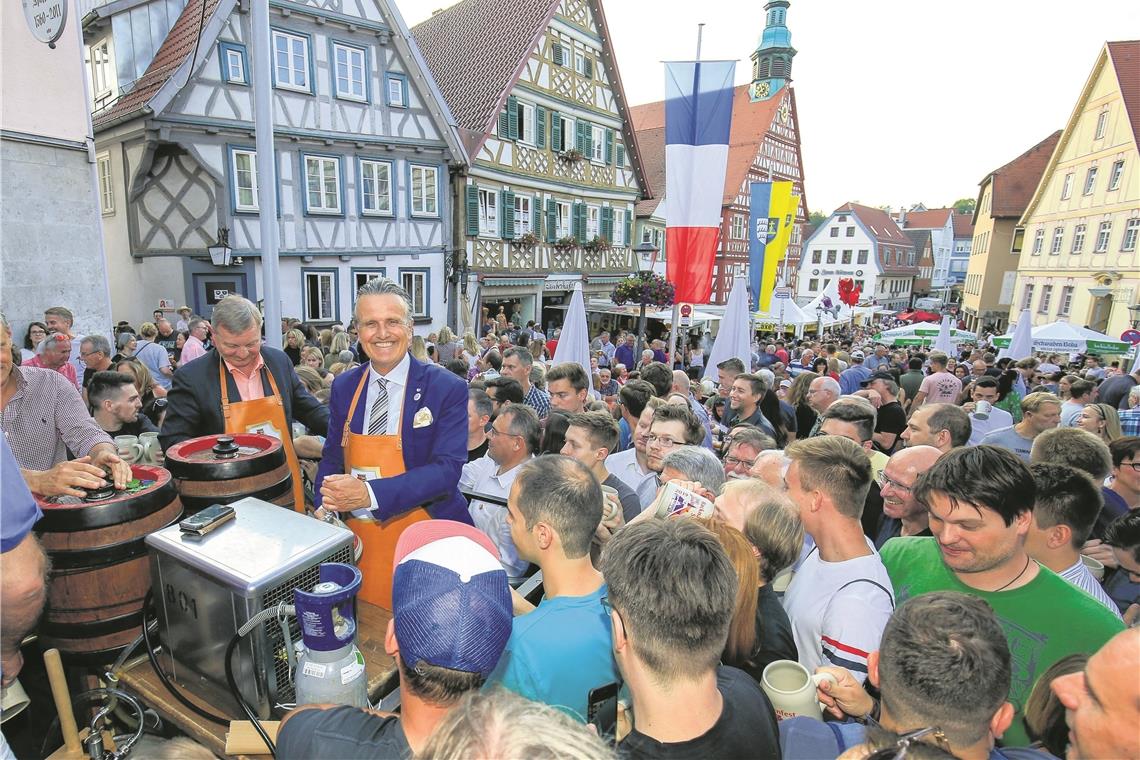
(878, 223)
(927, 220)
(963, 225)
(1013, 184)
(1125, 58)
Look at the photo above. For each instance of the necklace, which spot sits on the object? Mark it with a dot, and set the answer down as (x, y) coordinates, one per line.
(1028, 559)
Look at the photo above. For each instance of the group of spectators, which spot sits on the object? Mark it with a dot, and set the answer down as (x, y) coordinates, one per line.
(954, 539)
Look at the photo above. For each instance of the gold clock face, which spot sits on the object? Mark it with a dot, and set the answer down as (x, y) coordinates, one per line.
(761, 89)
(785, 112)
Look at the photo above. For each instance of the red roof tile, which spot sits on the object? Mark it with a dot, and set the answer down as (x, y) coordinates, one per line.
(175, 49)
(878, 223)
(927, 220)
(750, 122)
(1013, 184)
(652, 145)
(963, 225)
(1125, 58)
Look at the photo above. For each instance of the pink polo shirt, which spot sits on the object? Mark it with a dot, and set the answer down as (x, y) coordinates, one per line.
(249, 382)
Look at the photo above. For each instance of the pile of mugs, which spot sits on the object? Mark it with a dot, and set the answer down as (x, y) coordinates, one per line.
(139, 449)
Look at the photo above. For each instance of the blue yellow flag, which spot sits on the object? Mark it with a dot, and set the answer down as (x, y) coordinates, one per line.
(773, 212)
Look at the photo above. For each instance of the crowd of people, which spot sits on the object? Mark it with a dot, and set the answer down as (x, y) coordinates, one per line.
(954, 540)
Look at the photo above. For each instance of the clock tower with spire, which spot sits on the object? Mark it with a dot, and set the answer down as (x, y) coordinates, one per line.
(772, 59)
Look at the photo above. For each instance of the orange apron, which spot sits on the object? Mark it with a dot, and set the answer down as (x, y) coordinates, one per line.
(265, 416)
(368, 457)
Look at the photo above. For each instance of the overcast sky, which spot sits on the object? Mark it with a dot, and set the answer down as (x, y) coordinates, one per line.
(899, 101)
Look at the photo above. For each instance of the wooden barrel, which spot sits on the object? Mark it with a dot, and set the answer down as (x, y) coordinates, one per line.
(100, 572)
(220, 469)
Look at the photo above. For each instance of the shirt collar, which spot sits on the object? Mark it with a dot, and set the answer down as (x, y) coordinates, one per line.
(256, 367)
(397, 375)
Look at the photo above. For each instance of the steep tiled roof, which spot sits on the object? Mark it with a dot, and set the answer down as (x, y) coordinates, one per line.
(652, 145)
(750, 122)
(476, 49)
(919, 237)
(963, 225)
(175, 49)
(1014, 184)
(878, 223)
(927, 220)
(1126, 60)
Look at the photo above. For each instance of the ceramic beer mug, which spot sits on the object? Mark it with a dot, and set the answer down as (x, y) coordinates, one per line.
(129, 448)
(152, 449)
(791, 689)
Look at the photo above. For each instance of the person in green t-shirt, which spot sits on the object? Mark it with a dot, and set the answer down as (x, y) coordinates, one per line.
(980, 501)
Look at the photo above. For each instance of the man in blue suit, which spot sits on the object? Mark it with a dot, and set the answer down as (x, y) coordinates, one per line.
(406, 441)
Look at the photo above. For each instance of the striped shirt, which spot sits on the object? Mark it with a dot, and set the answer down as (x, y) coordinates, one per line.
(45, 417)
(538, 400)
(1130, 421)
(1079, 576)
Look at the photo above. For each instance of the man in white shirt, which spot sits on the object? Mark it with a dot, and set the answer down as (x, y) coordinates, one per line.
(1068, 502)
(512, 440)
(631, 466)
(841, 596)
(985, 389)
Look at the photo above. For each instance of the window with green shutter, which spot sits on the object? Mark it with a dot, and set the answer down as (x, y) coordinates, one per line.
(609, 146)
(557, 51)
(581, 133)
(513, 117)
(472, 210)
(536, 216)
(607, 230)
(589, 68)
(555, 131)
(628, 227)
(507, 214)
(619, 151)
(540, 127)
(504, 126)
(551, 220)
(580, 221)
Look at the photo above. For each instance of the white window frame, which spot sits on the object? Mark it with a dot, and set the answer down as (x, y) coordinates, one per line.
(322, 277)
(524, 221)
(619, 227)
(235, 56)
(1058, 240)
(425, 202)
(1038, 240)
(598, 144)
(861, 257)
(1116, 174)
(354, 70)
(415, 282)
(1046, 299)
(102, 75)
(298, 79)
(1066, 303)
(579, 64)
(1131, 230)
(564, 222)
(567, 134)
(1078, 238)
(373, 167)
(1067, 186)
(1103, 233)
(327, 168)
(1101, 125)
(488, 212)
(236, 175)
(738, 227)
(398, 98)
(366, 274)
(1090, 181)
(106, 183)
(593, 221)
(526, 118)
(567, 55)
(1027, 296)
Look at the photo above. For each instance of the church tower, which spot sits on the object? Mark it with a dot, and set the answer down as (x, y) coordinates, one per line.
(772, 59)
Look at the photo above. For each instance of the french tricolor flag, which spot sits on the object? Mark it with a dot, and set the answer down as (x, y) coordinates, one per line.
(698, 118)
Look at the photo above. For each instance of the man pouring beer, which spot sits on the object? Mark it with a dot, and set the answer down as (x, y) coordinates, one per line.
(397, 438)
(242, 386)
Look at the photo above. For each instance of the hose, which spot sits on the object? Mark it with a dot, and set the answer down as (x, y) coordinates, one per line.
(267, 614)
(165, 679)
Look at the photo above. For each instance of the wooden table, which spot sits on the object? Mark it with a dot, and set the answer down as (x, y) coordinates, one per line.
(139, 678)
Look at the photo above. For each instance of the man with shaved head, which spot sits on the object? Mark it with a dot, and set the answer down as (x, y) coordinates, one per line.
(902, 513)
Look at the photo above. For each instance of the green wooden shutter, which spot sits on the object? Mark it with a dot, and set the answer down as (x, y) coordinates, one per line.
(589, 68)
(472, 210)
(555, 131)
(536, 216)
(556, 51)
(609, 156)
(504, 126)
(580, 137)
(539, 127)
(507, 214)
(580, 221)
(607, 225)
(588, 139)
(628, 227)
(619, 151)
(513, 117)
(551, 220)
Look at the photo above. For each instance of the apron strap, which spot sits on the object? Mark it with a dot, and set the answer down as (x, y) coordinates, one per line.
(225, 389)
(352, 408)
(273, 387)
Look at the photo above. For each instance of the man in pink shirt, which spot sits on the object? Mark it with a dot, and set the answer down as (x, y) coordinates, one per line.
(195, 345)
(940, 386)
(56, 354)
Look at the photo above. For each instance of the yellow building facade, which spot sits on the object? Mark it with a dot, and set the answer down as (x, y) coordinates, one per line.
(1078, 259)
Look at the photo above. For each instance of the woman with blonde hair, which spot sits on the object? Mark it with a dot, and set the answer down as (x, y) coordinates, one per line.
(340, 342)
(1102, 421)
(419, 348)
(294, 342)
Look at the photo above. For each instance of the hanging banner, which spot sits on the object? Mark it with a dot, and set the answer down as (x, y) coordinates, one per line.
(698, 120)
(773, 209)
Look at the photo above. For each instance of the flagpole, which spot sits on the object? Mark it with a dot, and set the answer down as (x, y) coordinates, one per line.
(674, 333)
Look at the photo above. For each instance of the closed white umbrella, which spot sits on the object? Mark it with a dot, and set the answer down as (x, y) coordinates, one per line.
(943, 343)
(1020, 344)
(735, 335)
(574, 340)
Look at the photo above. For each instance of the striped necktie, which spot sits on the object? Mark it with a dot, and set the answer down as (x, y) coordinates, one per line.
(378, 418)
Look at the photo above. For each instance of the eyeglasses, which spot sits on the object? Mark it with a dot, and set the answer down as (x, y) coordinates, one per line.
(732, 461)
(663, 441)
(494, 431)
(883, 480)
(1134, 465)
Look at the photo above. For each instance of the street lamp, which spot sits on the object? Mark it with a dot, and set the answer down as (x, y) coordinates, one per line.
(221, 255)
(646, 258)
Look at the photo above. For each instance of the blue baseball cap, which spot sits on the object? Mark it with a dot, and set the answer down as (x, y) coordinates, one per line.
(450, 597)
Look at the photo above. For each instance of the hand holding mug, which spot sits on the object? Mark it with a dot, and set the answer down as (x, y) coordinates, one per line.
(842, 695)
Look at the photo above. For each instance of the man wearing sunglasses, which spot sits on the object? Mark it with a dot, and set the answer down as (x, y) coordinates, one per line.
(932, 648)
